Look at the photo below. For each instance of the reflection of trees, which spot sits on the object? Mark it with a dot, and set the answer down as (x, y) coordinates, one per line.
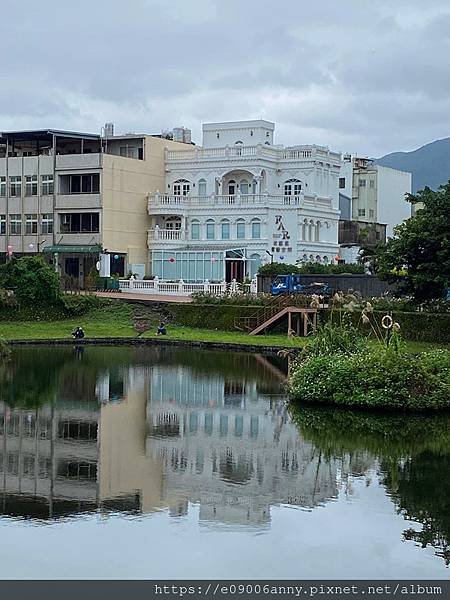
(421, 488)
(414, 454)
(30, 378)
(234, 366)
(35, 376)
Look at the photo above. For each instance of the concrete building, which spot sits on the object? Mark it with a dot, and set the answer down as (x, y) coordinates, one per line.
(371, 193)
(73, 195)
(240, 200)
(372, 201)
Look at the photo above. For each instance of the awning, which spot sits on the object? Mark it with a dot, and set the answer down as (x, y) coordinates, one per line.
(59, 249)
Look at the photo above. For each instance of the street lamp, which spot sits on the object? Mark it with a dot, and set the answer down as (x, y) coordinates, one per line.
(270, 254)
(39, 244)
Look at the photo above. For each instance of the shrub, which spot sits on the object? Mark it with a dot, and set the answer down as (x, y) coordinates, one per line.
(34, 282)
(332, 339)
(408, 305)
(232, 299)
(331, 269)
(276, 268)
(79, 304)
(375, 378)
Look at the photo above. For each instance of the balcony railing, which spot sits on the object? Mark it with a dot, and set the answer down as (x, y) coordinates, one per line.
(170, 235)
(165, 201)
(185, 288)
(260, 150)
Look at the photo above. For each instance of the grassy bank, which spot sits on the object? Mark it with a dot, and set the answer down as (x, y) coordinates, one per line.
(120, 321)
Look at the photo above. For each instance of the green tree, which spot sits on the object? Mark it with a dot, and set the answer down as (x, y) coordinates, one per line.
(418, 256)
(34, 282)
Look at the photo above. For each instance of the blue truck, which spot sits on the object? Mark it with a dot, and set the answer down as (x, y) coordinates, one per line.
(291, 284)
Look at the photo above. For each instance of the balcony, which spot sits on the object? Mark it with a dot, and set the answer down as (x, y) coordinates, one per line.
(165, 235)
(260, 151)
(160, 203)
(78, 161)
(78, 201)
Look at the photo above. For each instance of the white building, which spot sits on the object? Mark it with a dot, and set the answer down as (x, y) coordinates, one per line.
(229, 446)
(239, 200)
(371, 193)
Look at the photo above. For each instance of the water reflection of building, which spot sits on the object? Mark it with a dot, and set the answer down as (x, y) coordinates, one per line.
(231, 449)
(157, 430)
(79, 454)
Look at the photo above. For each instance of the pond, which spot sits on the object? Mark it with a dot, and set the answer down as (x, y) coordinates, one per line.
(157, 462)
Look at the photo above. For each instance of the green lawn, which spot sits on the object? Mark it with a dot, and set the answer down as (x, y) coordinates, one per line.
(116, 322)
(230, 337)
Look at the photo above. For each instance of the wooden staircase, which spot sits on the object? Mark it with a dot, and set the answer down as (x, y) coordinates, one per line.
(268, 315)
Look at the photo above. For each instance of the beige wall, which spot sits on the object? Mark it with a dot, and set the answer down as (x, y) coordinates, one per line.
(123, 466)
(126, 185)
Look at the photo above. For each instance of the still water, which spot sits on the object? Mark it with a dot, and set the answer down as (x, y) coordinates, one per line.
(182, 463)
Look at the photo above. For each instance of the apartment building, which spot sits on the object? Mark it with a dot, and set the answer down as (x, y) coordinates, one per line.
(240, 200)
(73, 196)
(370, 193)
(372, 201)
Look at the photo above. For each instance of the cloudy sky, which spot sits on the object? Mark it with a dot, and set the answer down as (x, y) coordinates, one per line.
(356, 75)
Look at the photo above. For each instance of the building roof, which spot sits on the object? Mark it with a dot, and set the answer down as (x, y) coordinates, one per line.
(45, 135)
(238, 125)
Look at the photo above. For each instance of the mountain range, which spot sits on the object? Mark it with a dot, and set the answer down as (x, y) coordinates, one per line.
(429, 164)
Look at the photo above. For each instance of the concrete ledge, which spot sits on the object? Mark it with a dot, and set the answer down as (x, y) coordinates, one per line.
(127, 341)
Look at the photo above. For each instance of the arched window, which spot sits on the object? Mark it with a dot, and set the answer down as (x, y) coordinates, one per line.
(311, 231)
(318, 259)
(195, 230)
(240, 229)
(305, 258)
(256, 229)
(292, 187)
(181, 187)
(304, 230)
(231, 187)
(202, 187)
(173, 223)
(225, 229)
(318, 226)
(325, 259)
(244, 186)
(210, 229)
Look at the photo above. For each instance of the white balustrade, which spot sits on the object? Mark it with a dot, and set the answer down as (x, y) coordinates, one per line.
(157, 286)
(278, 153)
(166, 234)
(156, 201)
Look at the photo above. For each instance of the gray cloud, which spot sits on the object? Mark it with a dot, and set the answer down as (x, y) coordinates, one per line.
(355, 75)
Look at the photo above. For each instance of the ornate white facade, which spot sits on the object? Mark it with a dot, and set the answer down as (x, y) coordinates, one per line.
(239, 200)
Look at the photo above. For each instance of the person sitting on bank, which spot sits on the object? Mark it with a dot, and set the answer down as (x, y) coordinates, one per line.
(161, 329)
(78, 334)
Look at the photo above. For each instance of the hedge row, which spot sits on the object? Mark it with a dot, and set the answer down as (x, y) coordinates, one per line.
(421, 327)
(210, 316)
(72, 305)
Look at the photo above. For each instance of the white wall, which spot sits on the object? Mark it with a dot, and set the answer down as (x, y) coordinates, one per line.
(250, 133)
(392, 206)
